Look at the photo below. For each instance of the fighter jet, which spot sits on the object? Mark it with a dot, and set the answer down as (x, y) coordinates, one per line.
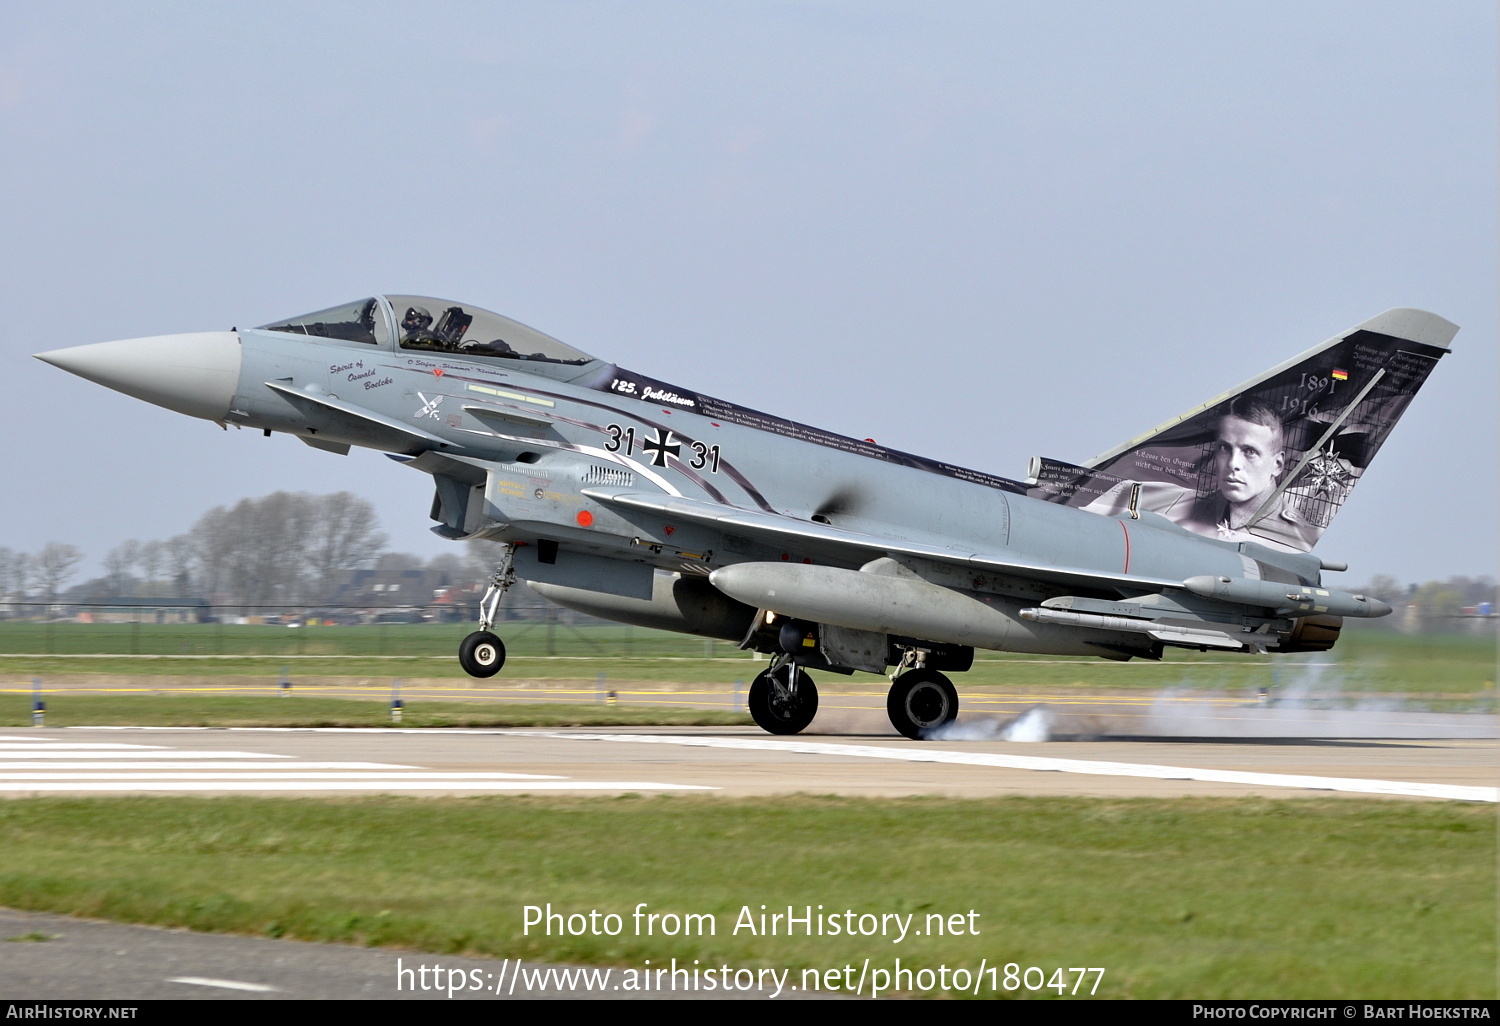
(632, 499)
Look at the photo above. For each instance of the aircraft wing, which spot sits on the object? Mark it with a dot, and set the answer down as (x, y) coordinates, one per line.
(784, 530)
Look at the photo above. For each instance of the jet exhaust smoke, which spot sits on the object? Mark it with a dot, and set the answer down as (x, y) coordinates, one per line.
(1310, 700)
(1315, 699)
(1033, 725)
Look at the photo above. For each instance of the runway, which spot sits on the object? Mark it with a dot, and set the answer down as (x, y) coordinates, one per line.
(727, 762)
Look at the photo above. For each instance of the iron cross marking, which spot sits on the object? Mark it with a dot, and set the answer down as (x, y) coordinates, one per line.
(659, 447)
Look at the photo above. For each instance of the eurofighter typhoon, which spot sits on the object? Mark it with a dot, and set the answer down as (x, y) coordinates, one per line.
(628, 498)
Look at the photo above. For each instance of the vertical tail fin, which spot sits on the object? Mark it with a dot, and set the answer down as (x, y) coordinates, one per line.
(1274, 459)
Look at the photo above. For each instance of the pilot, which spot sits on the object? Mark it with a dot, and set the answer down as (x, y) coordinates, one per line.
(1248, 460)
(415, 324)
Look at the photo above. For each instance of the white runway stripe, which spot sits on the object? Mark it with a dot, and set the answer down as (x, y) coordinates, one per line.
(54, 746)
(155, 753)
(35, 739)
(1098, 768)
(365, 785)
(105, 764)
(54, 766)
(290, 774)
(204, 981)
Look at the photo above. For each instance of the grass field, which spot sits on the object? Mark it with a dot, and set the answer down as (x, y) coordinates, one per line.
(1193, 898)
(70, 710)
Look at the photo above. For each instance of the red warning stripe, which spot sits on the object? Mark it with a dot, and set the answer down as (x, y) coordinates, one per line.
(1127, 544)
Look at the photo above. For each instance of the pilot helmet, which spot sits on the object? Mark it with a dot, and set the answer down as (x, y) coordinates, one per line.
(417, 319)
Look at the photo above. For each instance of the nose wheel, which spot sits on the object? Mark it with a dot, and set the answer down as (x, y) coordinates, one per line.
(783, 699)
(921, 701)
(481, 654)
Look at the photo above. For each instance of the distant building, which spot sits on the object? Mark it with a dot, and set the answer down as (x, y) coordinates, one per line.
(143, 610)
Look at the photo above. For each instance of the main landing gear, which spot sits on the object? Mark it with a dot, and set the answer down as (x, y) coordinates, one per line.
(482, 653)
(783, 699)
(920, 701)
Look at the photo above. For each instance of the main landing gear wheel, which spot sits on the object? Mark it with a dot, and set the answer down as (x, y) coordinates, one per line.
(481, 654)
(920, 702)
(783, 699)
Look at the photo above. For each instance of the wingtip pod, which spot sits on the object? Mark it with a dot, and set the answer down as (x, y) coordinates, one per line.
(1412, 325)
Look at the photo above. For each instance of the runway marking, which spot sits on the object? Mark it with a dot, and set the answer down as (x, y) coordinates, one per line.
(46, 746)
(204, 981)
(47, 765)
(366, 785)
(106, 764)
(289, 775)
(1030, 762)
(75, 751)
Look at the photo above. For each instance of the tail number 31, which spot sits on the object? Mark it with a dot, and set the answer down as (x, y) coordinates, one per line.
(705, 455)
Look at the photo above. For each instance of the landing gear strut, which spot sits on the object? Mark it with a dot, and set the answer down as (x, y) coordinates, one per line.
(482, 653)
(783, 699)
(921, 701)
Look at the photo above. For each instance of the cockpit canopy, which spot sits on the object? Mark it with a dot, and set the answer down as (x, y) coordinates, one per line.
(358, 321)
(433, 325)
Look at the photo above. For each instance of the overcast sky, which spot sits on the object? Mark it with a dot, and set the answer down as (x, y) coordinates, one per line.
(979, 232)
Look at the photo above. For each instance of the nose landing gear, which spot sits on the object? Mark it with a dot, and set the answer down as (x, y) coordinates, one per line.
(482, 653)
(783, 699)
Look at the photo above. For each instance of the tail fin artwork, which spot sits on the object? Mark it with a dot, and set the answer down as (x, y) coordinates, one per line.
(1273, 460)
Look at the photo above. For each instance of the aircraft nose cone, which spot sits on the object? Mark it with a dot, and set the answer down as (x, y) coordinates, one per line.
(196, 374)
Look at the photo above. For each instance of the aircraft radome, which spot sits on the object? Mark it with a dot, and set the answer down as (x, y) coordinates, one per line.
(639, 501)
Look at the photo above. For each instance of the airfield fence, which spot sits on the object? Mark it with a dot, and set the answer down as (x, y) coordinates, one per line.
(204, 630)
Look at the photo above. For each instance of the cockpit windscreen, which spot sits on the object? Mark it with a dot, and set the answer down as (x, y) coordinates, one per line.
(358, 321)
(440, 325)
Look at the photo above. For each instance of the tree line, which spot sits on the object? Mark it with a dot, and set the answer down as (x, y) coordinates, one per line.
(1434, 605)
(286, 548)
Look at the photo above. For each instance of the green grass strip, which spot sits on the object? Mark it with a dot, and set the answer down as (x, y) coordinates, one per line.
(1201, 898)
(68, 710)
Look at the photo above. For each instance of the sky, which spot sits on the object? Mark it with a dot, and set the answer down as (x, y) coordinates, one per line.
(975, 231)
